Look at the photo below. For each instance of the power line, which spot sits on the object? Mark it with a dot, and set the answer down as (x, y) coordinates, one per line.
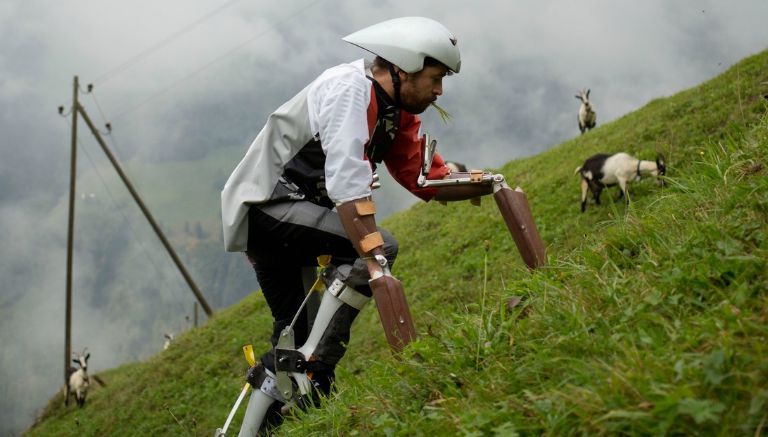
(214, 61)
(105, 77)
(126, 220)
(116, 147)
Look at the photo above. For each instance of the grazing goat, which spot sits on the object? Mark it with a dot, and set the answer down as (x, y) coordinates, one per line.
(587, 117)
(602, 170)
(168, 339)
(456, 166)
(77, 379)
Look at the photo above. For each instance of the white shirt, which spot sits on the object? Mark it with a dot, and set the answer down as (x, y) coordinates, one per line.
(333, 109)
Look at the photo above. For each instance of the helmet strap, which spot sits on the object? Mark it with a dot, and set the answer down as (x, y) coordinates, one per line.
(395, 83)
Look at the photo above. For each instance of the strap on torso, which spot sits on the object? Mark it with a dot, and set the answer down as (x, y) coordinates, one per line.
(387, 125)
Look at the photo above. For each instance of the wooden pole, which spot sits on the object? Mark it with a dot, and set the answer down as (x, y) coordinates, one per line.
(198, 294)
(70, 232)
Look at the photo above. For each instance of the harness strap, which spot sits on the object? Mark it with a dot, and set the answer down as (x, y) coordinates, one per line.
(395, 83)
(348, 295)
(371, 241)
(386, 127)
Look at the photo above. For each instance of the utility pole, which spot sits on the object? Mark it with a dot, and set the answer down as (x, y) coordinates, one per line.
(71, 232)
(198, 294)
(78, 109)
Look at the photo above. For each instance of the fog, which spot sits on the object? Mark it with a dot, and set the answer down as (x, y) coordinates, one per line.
(182, 80)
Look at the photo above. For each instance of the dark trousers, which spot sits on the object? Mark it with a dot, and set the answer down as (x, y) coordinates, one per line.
(285, 237)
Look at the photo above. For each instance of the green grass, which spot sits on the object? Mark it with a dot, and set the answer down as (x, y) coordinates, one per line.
(650, 319)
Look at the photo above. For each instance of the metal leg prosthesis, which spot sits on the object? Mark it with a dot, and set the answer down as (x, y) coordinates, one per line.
(263, 408)
(301, 374)
(311, 366)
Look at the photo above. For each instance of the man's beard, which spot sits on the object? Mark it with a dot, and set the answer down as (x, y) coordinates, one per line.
(414, 108)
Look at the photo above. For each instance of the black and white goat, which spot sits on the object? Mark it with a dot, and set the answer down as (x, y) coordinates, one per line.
(602, 170)
(587, 117)
(168, 340)
(77, 379)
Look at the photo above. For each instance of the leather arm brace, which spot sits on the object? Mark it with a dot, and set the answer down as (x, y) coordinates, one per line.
(463, 192)
(357, 216)
(359, 220)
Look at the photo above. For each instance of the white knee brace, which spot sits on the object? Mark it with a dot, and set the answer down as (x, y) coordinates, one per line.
(290, 363)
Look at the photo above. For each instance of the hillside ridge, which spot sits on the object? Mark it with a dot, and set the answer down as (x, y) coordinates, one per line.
(650, 319)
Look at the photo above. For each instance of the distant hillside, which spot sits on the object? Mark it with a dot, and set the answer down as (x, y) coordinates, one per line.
(650, 319)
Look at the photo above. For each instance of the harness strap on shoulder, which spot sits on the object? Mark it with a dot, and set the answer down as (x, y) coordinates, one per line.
(395, 83)
(387, 123)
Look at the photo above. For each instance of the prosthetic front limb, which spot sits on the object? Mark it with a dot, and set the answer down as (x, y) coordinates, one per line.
(358, 218)
(512, 204)
(300, 372)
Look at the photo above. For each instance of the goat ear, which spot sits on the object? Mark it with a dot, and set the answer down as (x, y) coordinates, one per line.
(588, 92)
(88, 355)
(74, 360)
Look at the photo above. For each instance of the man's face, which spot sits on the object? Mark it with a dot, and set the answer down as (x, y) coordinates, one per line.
(420, 89)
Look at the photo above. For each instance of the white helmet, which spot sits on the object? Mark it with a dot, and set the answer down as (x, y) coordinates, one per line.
(406, 41)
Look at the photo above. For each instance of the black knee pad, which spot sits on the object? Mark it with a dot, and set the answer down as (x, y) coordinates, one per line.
(342, 273)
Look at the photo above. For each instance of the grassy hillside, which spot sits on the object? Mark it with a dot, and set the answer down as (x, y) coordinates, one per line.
(649, 319)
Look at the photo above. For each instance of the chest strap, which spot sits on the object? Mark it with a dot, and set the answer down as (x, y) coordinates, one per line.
(386, 127)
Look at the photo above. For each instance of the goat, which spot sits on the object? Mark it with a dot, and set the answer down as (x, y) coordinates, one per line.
(587, 117)
(602, 170)
(168, 339)
(456, 166)
(77, 379)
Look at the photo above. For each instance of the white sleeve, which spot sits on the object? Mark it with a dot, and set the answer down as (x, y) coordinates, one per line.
(341, 118)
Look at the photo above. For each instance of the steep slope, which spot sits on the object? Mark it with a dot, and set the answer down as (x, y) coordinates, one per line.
(649, 319)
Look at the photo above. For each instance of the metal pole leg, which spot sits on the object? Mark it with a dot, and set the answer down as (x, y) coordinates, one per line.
(263, 406)
(258, 405)
(324, 347)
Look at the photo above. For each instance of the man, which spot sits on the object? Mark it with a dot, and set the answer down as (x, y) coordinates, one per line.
(303, 190)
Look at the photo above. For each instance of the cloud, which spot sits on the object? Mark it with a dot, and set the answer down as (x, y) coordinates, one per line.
(189, 90)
